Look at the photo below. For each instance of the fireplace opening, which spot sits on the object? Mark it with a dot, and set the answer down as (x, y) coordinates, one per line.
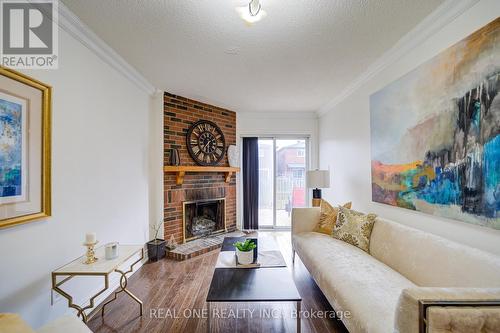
(203, 218)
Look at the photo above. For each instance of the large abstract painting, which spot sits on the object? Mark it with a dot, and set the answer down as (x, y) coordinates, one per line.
(435, 134)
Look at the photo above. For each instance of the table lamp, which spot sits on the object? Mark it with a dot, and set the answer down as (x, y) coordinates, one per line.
(318, 179)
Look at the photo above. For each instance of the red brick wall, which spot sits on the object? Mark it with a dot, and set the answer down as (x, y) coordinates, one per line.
(179, 114)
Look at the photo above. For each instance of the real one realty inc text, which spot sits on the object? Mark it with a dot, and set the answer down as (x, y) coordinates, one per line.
(242, 313)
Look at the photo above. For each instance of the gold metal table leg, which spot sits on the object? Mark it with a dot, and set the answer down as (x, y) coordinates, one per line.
(123, 287)
(80, 310)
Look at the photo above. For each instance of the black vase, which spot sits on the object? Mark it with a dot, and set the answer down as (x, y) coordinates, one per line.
(174, 158)
(156, 249)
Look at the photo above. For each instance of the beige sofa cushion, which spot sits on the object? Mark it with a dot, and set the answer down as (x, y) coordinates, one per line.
(407, 311)
(449, 319)
(352, 281)
(432, 261)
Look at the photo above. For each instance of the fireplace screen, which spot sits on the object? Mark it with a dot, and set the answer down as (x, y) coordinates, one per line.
(203, 217)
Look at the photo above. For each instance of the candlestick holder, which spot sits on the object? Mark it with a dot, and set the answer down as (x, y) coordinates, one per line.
(90, 255)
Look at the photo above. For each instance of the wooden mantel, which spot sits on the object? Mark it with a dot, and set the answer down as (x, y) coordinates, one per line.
(181, 171)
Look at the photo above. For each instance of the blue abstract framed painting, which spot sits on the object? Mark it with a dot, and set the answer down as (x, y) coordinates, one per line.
(435, 134)
(13, 145)
(25, 148)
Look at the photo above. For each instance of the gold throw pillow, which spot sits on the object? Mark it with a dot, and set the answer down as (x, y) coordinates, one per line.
(354, 228)
(328, 217)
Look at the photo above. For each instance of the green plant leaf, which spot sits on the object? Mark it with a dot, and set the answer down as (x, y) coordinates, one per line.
(247, 245)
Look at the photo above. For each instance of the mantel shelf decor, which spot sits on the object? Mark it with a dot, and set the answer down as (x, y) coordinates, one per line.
(182, 170)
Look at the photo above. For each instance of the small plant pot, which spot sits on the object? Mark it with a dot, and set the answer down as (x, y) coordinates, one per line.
(244, 257)
(156, 249)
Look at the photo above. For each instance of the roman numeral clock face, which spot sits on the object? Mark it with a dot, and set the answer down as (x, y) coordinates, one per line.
(205, 143)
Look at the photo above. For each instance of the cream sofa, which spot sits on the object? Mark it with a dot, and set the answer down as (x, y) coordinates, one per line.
(411, 281)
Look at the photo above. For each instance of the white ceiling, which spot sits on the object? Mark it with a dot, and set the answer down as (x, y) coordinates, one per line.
(298, 58)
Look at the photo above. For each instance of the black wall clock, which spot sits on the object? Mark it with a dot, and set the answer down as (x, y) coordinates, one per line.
(205, 142)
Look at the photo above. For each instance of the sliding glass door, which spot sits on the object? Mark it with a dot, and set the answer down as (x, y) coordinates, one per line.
(282, 174)
(266, 183)
(290, 179)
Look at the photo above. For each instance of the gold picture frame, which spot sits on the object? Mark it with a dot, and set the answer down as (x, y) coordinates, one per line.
(44, 119)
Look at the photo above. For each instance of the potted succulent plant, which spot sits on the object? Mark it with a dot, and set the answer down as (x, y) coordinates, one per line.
(156, 247)
(244, 251)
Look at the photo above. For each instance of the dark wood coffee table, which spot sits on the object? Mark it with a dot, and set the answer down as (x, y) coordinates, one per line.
(263, 284)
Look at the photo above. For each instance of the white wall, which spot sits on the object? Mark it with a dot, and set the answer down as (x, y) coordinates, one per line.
(344, 140)
(156, 163)
(276, 123)
(100, 179)
(282, 123)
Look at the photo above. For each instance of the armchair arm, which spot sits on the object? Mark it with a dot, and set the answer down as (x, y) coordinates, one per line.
(424, 309)
(304, 219)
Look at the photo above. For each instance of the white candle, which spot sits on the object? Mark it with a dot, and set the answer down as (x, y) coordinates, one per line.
(90, 238)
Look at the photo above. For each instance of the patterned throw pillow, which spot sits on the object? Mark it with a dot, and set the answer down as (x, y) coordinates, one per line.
(328, 217)
(354, 227)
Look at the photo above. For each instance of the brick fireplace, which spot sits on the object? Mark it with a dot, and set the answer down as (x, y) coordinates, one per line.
(179, 114)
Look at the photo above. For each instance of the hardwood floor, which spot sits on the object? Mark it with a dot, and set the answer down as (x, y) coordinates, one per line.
(174, 291)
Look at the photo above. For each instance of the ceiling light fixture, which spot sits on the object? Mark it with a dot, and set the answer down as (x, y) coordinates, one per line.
(252, 13)
(254, 7)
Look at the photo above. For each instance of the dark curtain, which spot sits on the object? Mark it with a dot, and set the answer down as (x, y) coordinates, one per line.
(250, 183)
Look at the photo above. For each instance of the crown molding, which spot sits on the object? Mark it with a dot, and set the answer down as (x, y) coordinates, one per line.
(277, 115)
(431, 24)
(70, 23)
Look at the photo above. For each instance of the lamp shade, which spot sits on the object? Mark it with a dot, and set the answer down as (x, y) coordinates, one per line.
(318, 179)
